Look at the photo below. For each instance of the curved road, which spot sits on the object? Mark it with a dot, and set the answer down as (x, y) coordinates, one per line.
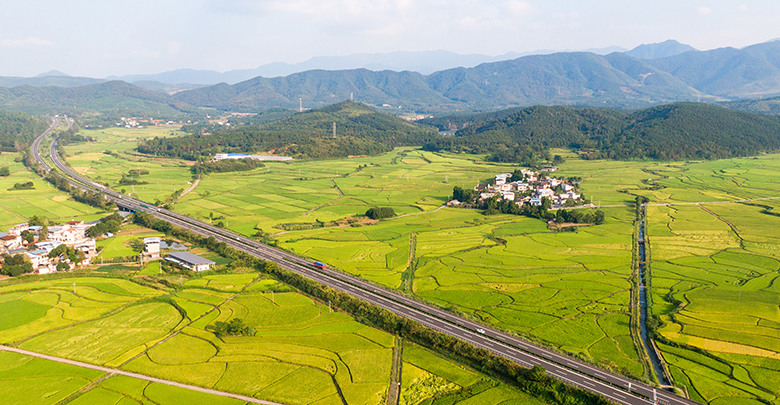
(617, 388)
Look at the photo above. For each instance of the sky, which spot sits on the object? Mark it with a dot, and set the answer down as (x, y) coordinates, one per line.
(122, 37)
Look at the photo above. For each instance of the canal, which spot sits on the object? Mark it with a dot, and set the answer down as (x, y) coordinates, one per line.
(654, 360)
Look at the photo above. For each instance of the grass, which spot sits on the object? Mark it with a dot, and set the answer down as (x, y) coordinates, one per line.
(714, 269)
(299, 343)
(570, 290)
(28, 380)
(165, 175)
(44, 200)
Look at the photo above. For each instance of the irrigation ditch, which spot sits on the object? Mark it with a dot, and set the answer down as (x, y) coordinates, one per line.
(657, 371)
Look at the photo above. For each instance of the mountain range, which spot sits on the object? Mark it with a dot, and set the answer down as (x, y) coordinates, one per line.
(655, 74)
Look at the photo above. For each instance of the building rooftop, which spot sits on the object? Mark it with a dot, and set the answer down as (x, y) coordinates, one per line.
(153, 239)
(189, 258)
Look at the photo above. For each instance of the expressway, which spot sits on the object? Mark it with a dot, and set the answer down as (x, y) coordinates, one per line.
(617, 388)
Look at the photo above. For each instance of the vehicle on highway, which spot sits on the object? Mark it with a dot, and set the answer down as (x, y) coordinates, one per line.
(319, 265)
(482, 331)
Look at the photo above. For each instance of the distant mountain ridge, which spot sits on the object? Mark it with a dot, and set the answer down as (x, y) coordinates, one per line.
(424, 62)
(659, 50)
(615, 80)
(561, 78)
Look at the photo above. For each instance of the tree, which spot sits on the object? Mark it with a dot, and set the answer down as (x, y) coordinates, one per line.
(234, 327)
(28, 236)
(463, 195)
(5, 171)
(44, 233)
(380, 213)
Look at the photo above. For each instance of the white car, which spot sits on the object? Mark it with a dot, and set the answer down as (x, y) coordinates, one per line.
(482, 331)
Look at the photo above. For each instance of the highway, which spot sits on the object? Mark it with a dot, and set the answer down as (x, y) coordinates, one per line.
(617, 388)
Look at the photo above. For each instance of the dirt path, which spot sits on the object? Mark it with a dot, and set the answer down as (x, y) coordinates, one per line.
(192, 187)
(115, 371)
(733, 228)
(418, 213)
(669, 204)
(394, 393)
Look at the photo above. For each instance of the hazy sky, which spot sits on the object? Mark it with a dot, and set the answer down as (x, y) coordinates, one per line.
(118, 37)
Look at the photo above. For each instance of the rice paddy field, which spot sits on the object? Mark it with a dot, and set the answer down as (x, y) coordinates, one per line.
(34, 381)
(713, 267)
(302, 352)
(112, 155)
(570, 290)
(17, 206)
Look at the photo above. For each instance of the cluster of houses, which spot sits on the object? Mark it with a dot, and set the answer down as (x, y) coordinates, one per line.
(534, 187)
(134, 122)
(230, 156)
(72, 234)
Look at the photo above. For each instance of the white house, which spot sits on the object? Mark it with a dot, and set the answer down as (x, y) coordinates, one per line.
(190, 261)
(152, 247)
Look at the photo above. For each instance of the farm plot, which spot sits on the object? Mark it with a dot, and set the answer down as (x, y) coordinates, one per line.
(28, 380)
(298, 343)
(715, 287)
(18, 206)
(425, 375)
(281, 195)
(111, 156)
(569, 289)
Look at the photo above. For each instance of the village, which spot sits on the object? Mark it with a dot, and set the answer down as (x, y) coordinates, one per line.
(50, 249)
(529, 187)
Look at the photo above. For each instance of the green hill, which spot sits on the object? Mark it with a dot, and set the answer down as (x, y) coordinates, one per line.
(18, 130)
(114, 96)
(675, 131)
(749, 72)
(360, 130)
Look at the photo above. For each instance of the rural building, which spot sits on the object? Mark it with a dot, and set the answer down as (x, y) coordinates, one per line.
(226, 156)
(190, 261)
(10, 241)
(152, 247)
(18, 229)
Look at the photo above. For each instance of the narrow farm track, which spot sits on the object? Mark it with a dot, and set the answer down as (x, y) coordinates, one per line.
(617, 388)
(115, 371)
(192, 187)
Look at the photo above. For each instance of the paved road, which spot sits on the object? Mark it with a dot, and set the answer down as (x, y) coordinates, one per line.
(617, 388)
(137, 376)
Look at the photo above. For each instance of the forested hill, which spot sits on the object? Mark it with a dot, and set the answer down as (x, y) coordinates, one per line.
(675, 131)
(18, 130)
(360, 130)
(103, 97)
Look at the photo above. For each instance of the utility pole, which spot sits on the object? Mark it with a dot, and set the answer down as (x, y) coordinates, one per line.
(300, 101)
(74, 288)
(334, 130)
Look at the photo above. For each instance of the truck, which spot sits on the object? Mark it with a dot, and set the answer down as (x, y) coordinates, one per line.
(319, 265)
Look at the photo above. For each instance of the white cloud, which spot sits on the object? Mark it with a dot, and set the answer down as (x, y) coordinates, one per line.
(743, 7)
(145, 54)
(517, 7)
(174, 48)
(705, 10)
(25, 43)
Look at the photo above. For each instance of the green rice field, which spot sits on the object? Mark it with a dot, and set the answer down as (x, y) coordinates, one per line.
(299, 345)
(92, 160)
(713, 268)
(715, 280)
(44, 200)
